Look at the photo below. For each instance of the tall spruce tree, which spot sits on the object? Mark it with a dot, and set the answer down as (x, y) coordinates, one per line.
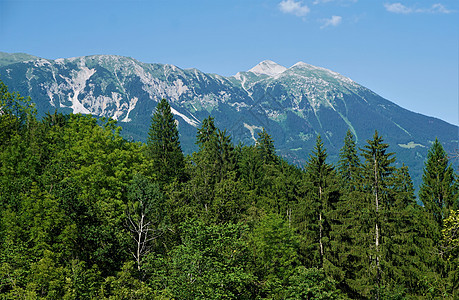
(214, 163)
(265, 147)
(322, 194)
(408, 246)
(164, 145)
(206, 132)
(438, 191)
(377, 170)
(349, 163)
(348, 232)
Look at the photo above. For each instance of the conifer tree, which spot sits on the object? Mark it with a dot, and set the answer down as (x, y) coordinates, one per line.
(321, 197)
(214, 163)
(438, 191)
(206, 132)
(377, 170)
(265, 147)
(164, 145)
(348, 234)
(216, 156)
(349, 163)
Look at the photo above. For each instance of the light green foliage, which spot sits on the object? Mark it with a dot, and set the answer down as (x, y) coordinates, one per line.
(125, 285)
(312, 284)
(16, 113)
(145, 214)
(450, 240)
(450, 231)
(209, 263)
(274, 247)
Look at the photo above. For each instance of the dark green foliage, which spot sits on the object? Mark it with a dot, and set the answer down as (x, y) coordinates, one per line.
(163, 144)
(85, 214)
(349, 163)
(265, 148)
(315, 211)
(439, 191)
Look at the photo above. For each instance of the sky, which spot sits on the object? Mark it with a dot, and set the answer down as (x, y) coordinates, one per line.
(407, 51)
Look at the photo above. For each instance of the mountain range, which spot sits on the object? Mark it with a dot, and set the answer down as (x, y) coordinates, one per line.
(293, 104)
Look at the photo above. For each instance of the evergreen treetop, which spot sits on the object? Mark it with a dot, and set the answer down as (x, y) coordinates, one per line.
(163, 144)
(438, 191)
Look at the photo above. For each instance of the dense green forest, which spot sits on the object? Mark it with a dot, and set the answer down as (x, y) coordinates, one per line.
(86, 214)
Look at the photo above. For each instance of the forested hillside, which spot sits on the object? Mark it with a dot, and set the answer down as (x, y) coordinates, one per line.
(86, 214)
(294, 104)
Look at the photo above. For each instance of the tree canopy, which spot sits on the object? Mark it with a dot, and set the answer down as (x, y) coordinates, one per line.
(86, 214)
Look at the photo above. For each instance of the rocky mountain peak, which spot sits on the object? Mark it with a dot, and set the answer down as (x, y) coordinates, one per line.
(268, 67)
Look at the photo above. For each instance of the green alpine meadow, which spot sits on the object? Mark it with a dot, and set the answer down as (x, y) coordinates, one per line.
(126, 180)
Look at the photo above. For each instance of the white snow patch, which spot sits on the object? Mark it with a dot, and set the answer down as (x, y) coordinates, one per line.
(185, 118)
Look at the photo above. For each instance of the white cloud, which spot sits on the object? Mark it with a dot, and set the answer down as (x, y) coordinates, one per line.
(333, 21)
(294, 7)
(321, 1)
(399, 8)
(343, 2)
(439, 8)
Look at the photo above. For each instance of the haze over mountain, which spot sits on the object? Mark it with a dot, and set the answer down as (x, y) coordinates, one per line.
(294, 104)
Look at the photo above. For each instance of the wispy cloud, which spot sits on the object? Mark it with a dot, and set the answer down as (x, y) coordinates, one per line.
(439, 8)
(321, 1)
(333, 21)
(399, 8)
(344, 2)
(294, 7)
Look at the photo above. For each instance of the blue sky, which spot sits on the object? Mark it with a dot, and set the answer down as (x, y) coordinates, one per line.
(405, 50)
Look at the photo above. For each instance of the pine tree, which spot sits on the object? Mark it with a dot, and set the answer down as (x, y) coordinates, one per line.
(163, 144)
(438, 191)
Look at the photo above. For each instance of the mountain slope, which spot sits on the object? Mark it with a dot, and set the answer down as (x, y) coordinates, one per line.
(294, 104)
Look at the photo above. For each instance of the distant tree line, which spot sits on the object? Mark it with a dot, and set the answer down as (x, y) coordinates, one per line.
(85, 214)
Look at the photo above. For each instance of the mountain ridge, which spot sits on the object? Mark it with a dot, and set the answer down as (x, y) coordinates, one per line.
(294, 104)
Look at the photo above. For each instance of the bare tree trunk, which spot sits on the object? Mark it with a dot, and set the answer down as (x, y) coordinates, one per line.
(376, 192)
(140, 229)
(321, 228)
